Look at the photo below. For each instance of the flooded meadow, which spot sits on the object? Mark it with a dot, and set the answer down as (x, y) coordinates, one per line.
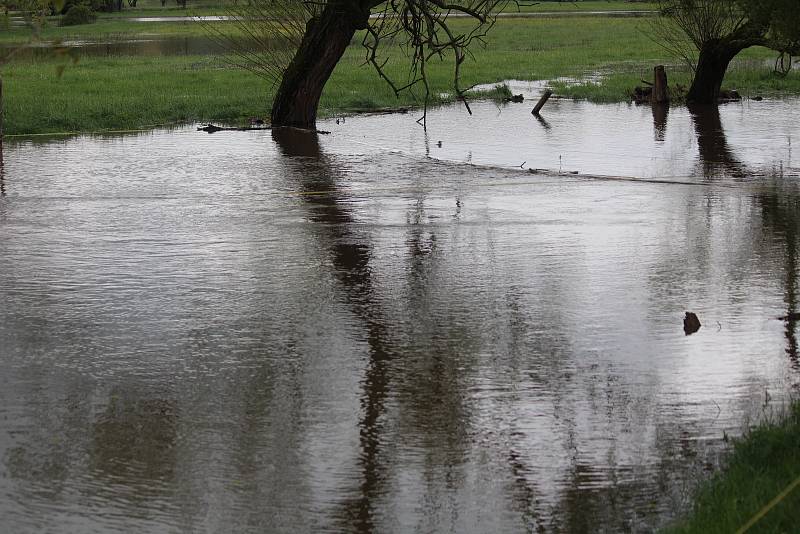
(471, 328)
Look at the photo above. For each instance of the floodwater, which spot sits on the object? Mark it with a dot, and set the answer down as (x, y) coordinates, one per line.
(139, 47)
(275, 331)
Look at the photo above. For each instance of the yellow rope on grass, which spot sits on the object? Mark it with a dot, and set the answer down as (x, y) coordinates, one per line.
(770, 505)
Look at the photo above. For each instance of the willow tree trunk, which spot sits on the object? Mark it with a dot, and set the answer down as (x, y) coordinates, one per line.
(324, 42)
(711, 67)
(716, 55)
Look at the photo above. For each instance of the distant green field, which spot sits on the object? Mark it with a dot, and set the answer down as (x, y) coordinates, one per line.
(201, 7)
(133, 92)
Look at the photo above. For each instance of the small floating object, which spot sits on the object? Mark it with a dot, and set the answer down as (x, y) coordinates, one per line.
(439, 144)
(255, 121)
(793, 316)
(691, 323)
(517, 99)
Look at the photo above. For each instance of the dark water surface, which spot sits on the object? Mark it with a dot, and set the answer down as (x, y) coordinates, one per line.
(281, 332)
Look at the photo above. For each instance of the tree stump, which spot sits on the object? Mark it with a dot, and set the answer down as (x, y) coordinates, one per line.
(660, 94)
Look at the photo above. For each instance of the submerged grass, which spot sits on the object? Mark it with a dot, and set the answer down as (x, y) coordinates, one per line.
(132, 92)
(764, 463)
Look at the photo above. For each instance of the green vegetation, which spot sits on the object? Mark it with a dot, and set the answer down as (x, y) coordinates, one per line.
(133, 92)
(763, 464)
(78, 14)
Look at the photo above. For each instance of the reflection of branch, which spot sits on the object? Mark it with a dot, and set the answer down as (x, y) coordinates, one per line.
(351, 258)
(791, 297)
(525, 495)
(779, 213)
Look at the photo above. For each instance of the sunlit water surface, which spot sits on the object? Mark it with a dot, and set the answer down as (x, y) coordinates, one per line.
(277, 332)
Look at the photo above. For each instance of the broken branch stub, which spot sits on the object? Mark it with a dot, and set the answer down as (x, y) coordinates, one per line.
(542, 101)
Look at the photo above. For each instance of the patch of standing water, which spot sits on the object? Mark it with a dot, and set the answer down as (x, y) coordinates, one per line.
(628, 140)
(275, 331)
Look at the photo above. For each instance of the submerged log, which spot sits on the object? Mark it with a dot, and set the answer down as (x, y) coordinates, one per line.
(211, 128)
(542, 101)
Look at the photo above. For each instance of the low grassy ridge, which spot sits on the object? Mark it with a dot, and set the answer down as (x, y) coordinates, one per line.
(135, 92)
(764, 463)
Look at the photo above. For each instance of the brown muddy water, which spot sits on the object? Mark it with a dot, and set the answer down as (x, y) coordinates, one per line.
(282, 332)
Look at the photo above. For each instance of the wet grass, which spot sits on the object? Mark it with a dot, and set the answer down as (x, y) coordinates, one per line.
(153, 8)
(132, 92)
(104, 29)
(764, 463)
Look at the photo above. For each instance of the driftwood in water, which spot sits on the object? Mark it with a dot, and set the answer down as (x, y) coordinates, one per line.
(542, 101)
(211, 128)
(660, 93)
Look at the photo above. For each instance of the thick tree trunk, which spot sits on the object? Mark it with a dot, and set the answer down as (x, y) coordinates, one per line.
(325, 41)
(711, 67)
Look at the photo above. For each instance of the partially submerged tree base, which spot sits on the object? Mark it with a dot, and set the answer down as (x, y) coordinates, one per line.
(326, 38)
(715, 57)
(302, 42)
(708, 34)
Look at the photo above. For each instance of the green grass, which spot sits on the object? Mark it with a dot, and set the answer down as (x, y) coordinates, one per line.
(135, 92)
(104, 29)
(148, 8)
(763, 463)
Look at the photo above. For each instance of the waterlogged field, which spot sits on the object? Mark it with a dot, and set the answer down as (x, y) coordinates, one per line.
(288, 332)
(388, 324)
(177, 83)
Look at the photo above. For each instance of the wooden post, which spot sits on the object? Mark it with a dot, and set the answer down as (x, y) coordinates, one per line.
(660, 94)
(542, 101)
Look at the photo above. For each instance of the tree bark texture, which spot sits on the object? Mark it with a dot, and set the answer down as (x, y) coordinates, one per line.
(711, 67)
(715, 56)
(324, 42)
(660, 94)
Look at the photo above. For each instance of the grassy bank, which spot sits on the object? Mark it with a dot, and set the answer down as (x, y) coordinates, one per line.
(763, 464)
(133, 92)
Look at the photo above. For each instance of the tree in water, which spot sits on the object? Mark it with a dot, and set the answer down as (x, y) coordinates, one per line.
(708, 34)
(299, 43)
